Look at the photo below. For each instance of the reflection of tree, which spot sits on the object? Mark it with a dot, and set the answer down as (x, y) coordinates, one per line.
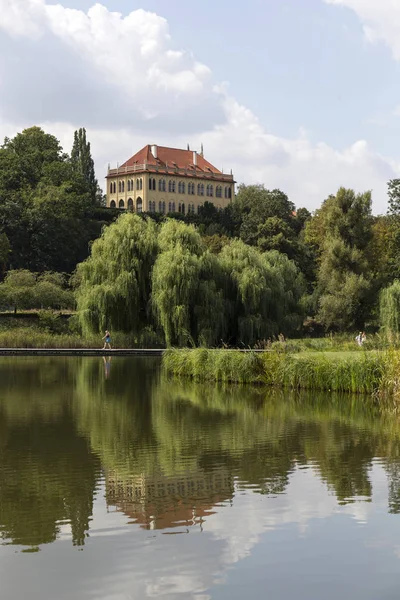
(171, 450)
(153, 432)
(47, 472)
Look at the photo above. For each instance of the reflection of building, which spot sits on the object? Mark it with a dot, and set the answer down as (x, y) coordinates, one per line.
(160, 502)
(167, 180)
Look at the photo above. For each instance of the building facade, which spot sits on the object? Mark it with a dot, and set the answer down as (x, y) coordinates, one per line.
(167, 180)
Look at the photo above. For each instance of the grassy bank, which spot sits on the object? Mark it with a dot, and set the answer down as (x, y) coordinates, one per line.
(32, 337)
(356, 372)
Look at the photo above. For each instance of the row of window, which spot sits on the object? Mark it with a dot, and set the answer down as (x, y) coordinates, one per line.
(152, 206)
(130, 186)
(172, 207)
(209, 189)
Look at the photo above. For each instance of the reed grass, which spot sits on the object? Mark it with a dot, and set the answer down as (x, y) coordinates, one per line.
(358, 372)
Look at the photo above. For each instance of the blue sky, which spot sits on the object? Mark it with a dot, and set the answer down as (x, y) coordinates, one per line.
(296, 95)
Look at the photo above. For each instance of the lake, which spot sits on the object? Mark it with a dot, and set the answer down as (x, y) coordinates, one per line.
(117, 483)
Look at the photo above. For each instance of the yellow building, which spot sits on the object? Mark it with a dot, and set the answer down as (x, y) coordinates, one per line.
(165, 180)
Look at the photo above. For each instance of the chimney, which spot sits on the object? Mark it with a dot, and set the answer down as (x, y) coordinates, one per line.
(154, 150)
(195, 158)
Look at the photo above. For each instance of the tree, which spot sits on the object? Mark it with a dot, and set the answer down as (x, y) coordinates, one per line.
(46, 209)
(5, 250)
(82, 163)
(266, 290)
(389, 309)
(33, 149)
(24, 289)
(256, 204)
(114, 282)
(187, 288)
(344, 277)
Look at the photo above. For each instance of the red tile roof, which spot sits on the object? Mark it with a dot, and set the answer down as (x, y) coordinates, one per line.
(174, 157)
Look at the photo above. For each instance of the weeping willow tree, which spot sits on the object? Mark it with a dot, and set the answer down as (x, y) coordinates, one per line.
(266, 289)
(115, 281)
(390, 309)
(187, 290)
(289, 310)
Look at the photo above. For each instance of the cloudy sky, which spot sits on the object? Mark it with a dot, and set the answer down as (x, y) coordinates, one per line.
(303, 95)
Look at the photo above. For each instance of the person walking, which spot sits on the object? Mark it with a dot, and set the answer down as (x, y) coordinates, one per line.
(107, 340)
(359, 339)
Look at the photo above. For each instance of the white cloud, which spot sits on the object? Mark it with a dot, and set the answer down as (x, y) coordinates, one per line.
(124, 79)
(380, 20)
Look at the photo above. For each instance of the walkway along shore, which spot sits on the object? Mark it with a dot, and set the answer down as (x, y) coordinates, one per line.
(93, 351)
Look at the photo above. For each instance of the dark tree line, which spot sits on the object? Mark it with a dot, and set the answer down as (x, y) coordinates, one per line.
(50, 203)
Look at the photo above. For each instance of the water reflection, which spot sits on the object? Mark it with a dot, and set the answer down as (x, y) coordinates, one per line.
(178, 457)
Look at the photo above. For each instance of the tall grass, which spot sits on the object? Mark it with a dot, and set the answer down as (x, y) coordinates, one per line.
(361, 372)
(31, 337)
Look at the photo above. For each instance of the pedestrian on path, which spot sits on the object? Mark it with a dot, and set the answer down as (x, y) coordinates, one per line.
(107, 340)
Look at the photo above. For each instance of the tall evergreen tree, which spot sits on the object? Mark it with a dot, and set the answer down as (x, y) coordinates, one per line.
(344, 278)
(83, 164)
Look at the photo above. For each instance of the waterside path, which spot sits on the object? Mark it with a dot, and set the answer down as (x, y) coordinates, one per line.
(94, 351)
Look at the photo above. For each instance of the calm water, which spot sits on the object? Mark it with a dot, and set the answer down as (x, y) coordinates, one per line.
(118, 484)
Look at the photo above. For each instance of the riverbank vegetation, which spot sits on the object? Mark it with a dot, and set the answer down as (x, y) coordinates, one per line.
(356, 372)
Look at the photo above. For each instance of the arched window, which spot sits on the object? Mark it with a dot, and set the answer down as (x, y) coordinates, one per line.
(181, 187)
(138, 183)
(161, 185)
(163, 207)
(192, 189)
(228, 192)
(119, 187)
(173, 207)
(139, 205)
(183, 208)
(121, 204)
(111, 188)
(152, 183)
(112, 204)
(210, 190)
(129, 185)
(115, 187)
(132, 185)
(171, 186)
(200, 189)
(123, 185)
(218, 191)
(169, 206)
(130, 204)
(199, 207)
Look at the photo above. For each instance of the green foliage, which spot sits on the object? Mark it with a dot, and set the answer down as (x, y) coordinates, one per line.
(24, 289)
(141, 275)
(46, 203)
(82, 163)
(114, 282)
(390, 310)
(187, 292)
(266, 291)
(352, 372)
(344, 278)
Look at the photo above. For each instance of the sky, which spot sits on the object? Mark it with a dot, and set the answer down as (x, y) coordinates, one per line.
(301, 95)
